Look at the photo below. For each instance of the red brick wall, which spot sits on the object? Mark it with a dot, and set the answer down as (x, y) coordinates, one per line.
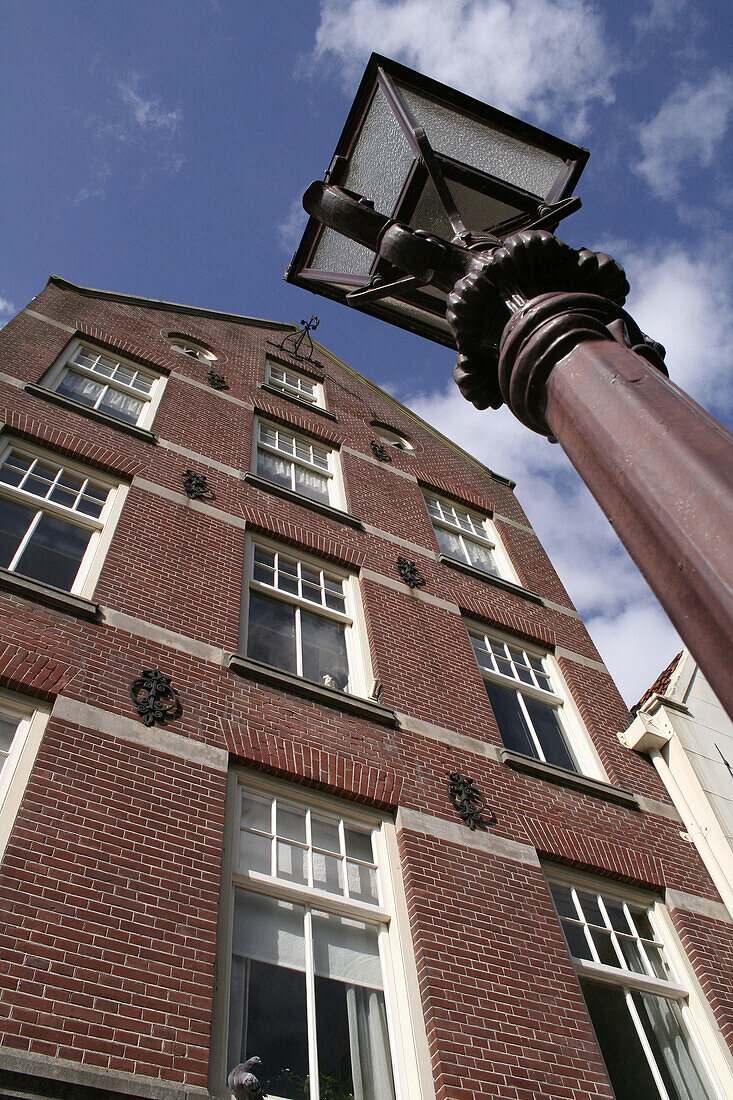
(110, 883)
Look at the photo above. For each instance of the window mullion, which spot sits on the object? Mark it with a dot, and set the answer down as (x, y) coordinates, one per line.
(25, 540)
(310, 997)
(530, 726)
(298, 642)
(664, 1095)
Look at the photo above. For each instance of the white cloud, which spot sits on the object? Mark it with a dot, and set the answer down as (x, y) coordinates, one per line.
(603, 582)
(7, 309)
(683, 297)
(290, 229)
(148, 114)
(547, 58)
(685, 132)
(661, 15)
(98, 174)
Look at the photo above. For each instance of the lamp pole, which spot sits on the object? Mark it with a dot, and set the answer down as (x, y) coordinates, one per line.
(540, 326)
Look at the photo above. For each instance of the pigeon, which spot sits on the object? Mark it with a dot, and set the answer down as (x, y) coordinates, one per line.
(244, 1085)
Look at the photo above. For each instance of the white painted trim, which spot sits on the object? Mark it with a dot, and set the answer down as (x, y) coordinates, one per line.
(32, 719)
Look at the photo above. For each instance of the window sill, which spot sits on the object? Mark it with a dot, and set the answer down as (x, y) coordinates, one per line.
(47, 594)
(93, 414)
(365, 708)
(295, 498)
(595, 787)
(491, 578)
(297, 401)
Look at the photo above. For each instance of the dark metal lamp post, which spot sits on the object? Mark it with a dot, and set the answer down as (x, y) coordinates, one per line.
(437, 214)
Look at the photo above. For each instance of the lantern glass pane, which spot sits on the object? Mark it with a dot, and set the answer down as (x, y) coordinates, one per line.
(381, 159)
(337, 253)
(479, 212)
(479, 145)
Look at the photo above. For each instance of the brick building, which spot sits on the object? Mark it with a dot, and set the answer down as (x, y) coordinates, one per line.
(349, 609)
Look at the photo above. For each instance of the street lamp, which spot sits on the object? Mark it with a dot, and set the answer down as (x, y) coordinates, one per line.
(437, 214)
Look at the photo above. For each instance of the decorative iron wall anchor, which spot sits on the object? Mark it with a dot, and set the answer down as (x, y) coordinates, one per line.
(293, 342)
(466, 799)
(217, 381)
(410, 573)
(196, 486)
(154, 698)
(380, 451)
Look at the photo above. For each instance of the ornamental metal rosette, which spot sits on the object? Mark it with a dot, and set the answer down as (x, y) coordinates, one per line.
(154, 697)
(467, 800)
(410, 573)
(196, 487)
(380, 452)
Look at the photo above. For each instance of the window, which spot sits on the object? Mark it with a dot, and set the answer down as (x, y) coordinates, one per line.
(194, 351)
(52, 518)
(297, 463)
(462, 535)
(22, 723)
(310, 949)
(103, 382)
(634, 998)
(293, 384)
(393, 439)
(301, 619)
(526, 707)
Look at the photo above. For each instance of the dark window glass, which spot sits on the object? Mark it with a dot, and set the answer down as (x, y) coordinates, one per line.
(275, 1026)
(54, 552)
(546, 726)
(324, 649)
(271, 637)
(510, 720)
(80, 389)
(622, 1051)
(15, 519)
(332, 1030)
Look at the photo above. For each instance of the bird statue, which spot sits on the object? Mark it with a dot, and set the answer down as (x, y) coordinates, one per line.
(243, 1083)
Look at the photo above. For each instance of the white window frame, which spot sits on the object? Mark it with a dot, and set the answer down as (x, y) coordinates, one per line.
(291, 384)
(411, 1062)
(183, 346)
(483, 533)
(682, 988)
(332, 473)
(150, 400)
(391, 438)
(32, 717)
(571, 724)
(102, 527)
(355, 633)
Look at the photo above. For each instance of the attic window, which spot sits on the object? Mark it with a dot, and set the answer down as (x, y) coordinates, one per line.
(188, 347)
(393, 439)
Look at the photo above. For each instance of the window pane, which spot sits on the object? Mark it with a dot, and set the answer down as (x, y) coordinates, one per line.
(255, 853)
(291, 824)
(547, 727)
(80, 389)
(622, 1051)
(563, 899)
(449, 544)
(324, 650)
(578, 945)
(8, 726)
(256, 813)
(325, 834)
(362, 882)
(480, 556)
(54, 552)
(271, 637)
(268, 1018)
(673, 1051)
(310, 484)
(121, 406)
(604, 947)
(15, 519)
(274, 469)
(13, 468)
(292, 862)
(510, 720)
(328, 873)
(359, 845)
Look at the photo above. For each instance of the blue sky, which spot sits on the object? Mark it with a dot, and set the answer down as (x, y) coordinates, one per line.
(161, 149)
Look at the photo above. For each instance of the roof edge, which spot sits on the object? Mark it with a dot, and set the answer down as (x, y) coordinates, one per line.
(174, 307)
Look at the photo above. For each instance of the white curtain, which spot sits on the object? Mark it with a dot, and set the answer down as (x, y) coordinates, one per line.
(371, 1065)
(665, 1029)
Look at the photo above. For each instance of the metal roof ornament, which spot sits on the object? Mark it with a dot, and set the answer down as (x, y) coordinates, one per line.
(293, 342)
